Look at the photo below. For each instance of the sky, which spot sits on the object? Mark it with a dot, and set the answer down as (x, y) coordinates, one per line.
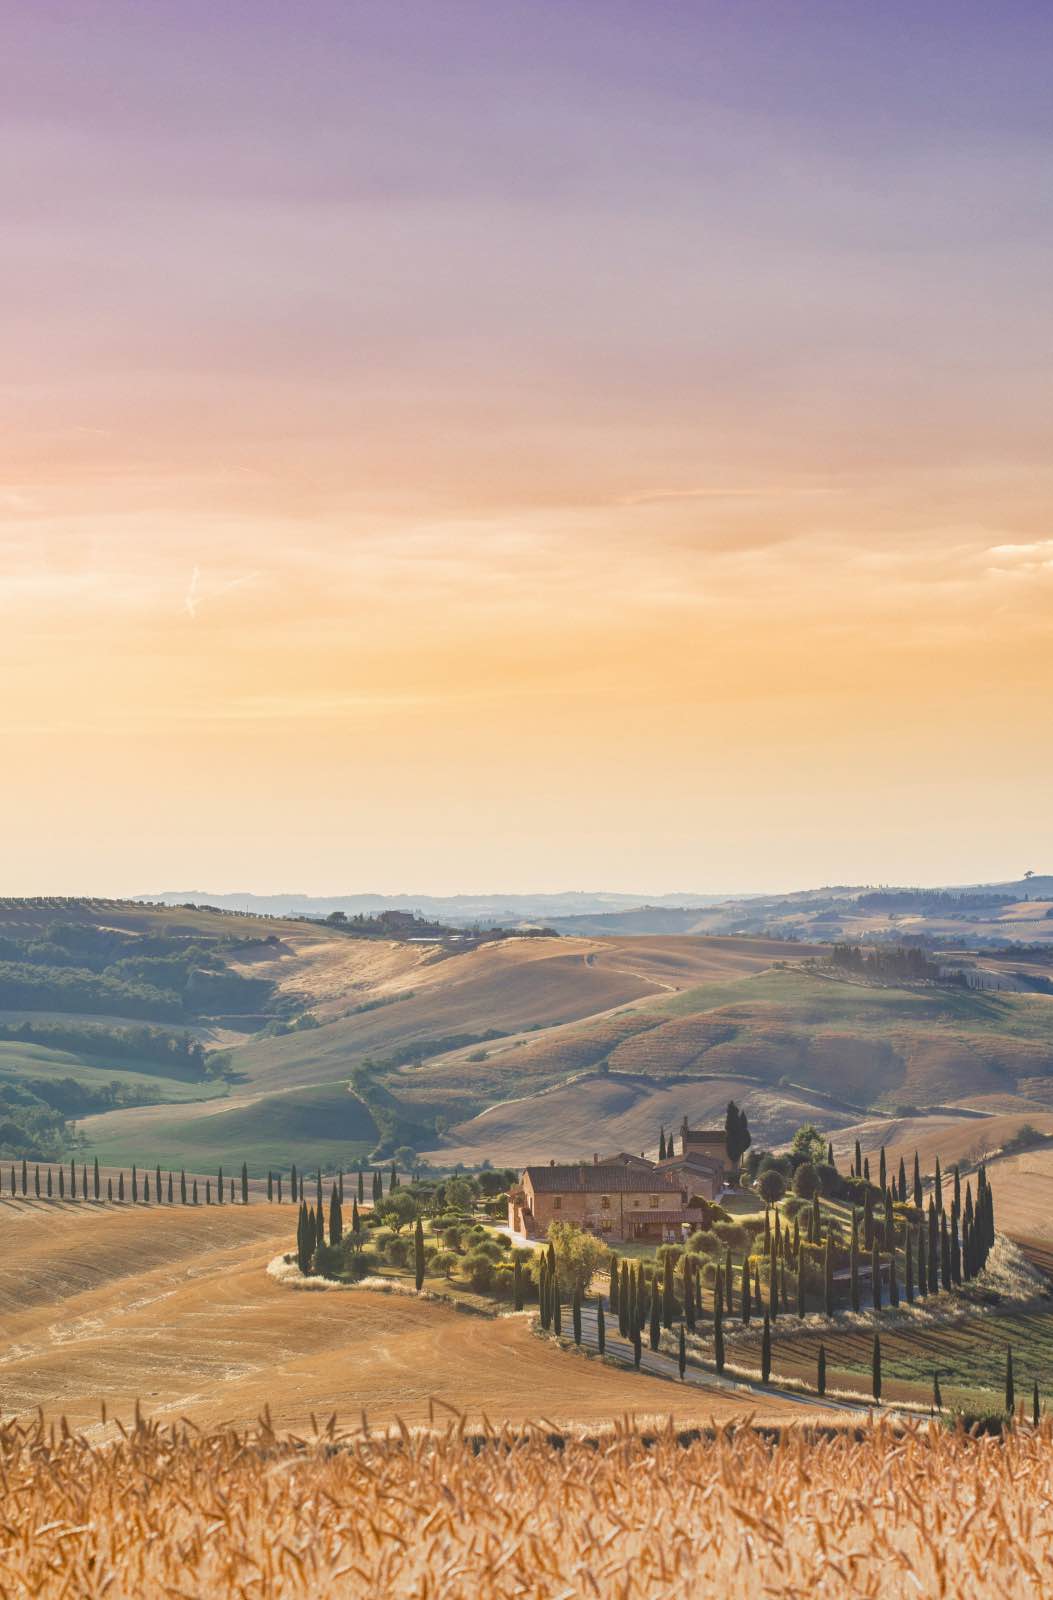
(482, 445)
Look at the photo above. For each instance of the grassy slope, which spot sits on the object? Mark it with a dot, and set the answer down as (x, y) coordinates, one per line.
(24, 1062)
(323, 1124)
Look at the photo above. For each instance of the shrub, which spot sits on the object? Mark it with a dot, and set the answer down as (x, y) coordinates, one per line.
(478, 1268)
(806, 1180)
(771, 1184)
(363, 1265)
(732, 1235)
(398, 1249)
(442, 1262)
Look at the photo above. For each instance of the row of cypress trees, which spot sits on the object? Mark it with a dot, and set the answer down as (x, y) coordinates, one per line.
(50, 1182)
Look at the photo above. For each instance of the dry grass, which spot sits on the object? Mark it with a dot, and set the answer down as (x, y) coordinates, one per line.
(171, 1512)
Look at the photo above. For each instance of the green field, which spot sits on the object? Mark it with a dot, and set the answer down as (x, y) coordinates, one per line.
(23, 1063)
(323, 1125)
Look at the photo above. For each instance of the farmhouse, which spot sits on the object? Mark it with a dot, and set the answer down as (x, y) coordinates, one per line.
(623, 1196)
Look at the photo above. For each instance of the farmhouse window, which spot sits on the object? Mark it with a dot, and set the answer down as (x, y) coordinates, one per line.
(557, 1203)
(654, 1202)
(605, 1202)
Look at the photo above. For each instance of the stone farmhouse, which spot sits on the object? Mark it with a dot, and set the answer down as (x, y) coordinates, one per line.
(624, 1197)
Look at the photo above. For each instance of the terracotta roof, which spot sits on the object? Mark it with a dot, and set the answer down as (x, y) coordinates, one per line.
(694, 1161)
(596, 1178)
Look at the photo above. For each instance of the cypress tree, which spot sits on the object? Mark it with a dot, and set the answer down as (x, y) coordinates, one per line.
(668, 1300)
(109, 1188)
(767, 1231)
(729, 1287)
(361, 1185)
(208, 1192)
(49, 1183)
(336, 1223)
(62, 1183)
(800, 1280)
(270, 1186)
(601, 1326)
(418, 1260)
(956, 1203)
(746, 1307)
(866, 1168)
(557, 1310)
(765, 1358)
(318, 1188)
(681, 1359)
(219, 1187)
(157, 1184)
(25, 1178)
(923, 1279)
(575, 1315)
(816, 1228)
(294, 1193)
(830, 1154)
(12, 1178)
(73, 1180)
(820, 1375)
(279, 1188)
(394, 1182)
(656, 1319)
(853, 1265)
(1010, 1392)
(875, 1368)
(170, 1194)
(934, 1249)
(244, 1184)
(517, 1273)
(956, 1249)
(542, 1293)
(828, 1279)
(917, 1181)
(1036, 1413)
(182, 1185)
(195, 1191)
(938, 1186)
(340, 1182)
(883, 1172)
(661, 1145)
(868, 1219)
(945, 1253)
(135, 1185)
(637, 1348)
(120, 1186)
(613, 1275)
(796, 1237)
(875, 1276)
(893, 1285)
(718, 1328)
(773, 1288)
(937, 1397)
(902, 1188)
(857, 1165)
(356, 1221)
(625, 1301)
(36, 1181)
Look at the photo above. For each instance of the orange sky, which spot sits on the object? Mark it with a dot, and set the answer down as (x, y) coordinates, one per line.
(663, 507)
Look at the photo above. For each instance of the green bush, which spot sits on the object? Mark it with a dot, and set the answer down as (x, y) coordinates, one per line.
(478, 1267)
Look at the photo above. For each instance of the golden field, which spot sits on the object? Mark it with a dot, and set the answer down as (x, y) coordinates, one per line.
(504, 1515)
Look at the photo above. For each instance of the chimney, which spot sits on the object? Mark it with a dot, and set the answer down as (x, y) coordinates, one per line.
(595, 1158)
(552, 1161)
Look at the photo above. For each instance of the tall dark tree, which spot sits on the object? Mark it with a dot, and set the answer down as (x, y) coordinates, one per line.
(109, 1188)
(718, 1325)
(244, 1184)
(182, 1185)
(937, 1186)
(361, 1185)
(394, 1180)
(737, 1136)
(820, 1374)
(917, 1182)
(934, 1248)
(542, 1294)
(661, 1144)
(62, 1183)
(120, 1186)
(875, 1368)
(729, 1287)
(893, 1282)
(625, 1301)
(868, 1219)
(923, 1276)
(668, 1297)
(336, 1220)
(294, 1192)
(637, 1347)
(25, 1178)
(956, 1248)
(170, 1192)
(575, 1313)
(208, 1192)
(656, 1319)
(73, 1180)
(800, 1281)
(828, 1278)
(517, 1274)
(157, 1184)
(270, 1185)
(219, 1187)
(746, 1306)
(36, 1181)
(875, 1276)
(956, 1199)
(418, 1255)
(830, 1154)
(765, 1357)
(49, 1184)
(945, 1253)
(690, 1281)
(135, 1185)
(901, 1193)
(857, 1164)
(883, 1172)
(612, 1296)
(681, 1358)
(557, 1309)
(195, 1191)
(601, 1326)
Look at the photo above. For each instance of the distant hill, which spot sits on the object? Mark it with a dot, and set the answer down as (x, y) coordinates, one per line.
(456, 908)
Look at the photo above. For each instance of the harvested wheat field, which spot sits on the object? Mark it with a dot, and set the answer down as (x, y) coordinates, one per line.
(170, 1512)
(174, 1308)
